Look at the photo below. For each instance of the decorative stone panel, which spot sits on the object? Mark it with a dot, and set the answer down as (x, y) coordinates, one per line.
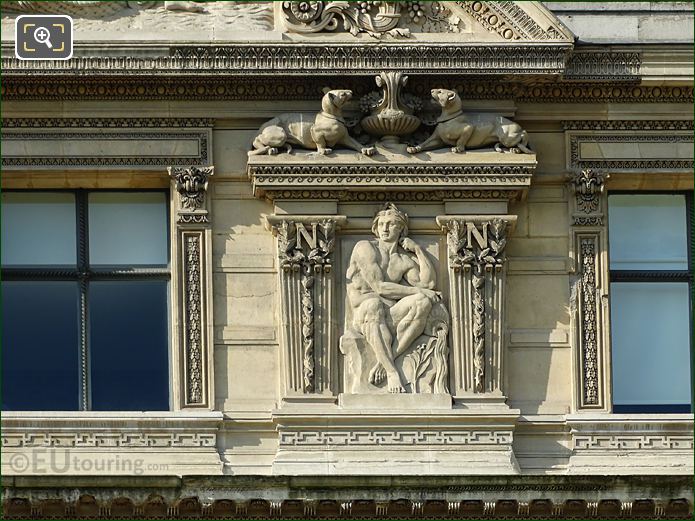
(113, 143)
(192, 287)
(588, 244)
(477, 257)
(306, 248)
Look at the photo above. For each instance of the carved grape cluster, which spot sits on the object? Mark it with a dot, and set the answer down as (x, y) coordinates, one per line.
(364, 7)
(416, 11)
(370, 101)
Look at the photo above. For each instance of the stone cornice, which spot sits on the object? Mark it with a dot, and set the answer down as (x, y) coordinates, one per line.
(298, 59)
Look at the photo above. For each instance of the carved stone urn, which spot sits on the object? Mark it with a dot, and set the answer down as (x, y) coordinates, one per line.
(391, 111)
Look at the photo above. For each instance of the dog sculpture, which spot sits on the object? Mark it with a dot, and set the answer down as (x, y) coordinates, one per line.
(326, 131)
(462, 131)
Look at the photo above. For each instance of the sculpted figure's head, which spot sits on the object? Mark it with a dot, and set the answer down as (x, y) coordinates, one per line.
(335, 99)
(390, 224)
(447, 98)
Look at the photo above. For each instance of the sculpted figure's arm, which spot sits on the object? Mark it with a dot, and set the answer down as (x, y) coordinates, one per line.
(423, 274)
(364, 257)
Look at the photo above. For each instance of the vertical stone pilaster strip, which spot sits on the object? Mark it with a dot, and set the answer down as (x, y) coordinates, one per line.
(588, 306)
(194, 331)
(588, 237)
(476, 252)
(306, 246)
(193, 317)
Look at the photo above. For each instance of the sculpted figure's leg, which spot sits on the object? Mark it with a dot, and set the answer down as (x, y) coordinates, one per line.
(374, 328)
(462, 141)
(409, 317)
(320, 140)
(351, 142)
(430, 143)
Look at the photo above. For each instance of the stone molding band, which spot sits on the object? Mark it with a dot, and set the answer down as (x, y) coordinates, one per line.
(43, 87)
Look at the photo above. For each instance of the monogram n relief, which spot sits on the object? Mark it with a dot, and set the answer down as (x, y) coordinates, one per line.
(305, 247)
(476, 251)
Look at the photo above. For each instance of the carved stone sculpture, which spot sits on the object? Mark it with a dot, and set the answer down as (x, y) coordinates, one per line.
(396, 326)
(392, 110)
(373, 18)
(467, 130)
(326, 131)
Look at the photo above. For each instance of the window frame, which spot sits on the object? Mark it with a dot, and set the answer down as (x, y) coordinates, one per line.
(83, 274)
(658, 276)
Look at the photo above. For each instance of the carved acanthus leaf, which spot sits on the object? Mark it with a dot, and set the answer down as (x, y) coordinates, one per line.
(191, 184)
(587, 185)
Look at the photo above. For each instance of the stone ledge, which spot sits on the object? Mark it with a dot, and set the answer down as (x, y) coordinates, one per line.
(438, 175)
(93, 443)
(631, 443)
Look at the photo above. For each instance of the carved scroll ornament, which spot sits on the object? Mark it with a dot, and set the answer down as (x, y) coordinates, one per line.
(373, 18)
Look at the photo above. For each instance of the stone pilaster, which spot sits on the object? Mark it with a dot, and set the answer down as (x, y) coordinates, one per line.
(192, 288)
(589, 253)
(306, 251)
(476, 250)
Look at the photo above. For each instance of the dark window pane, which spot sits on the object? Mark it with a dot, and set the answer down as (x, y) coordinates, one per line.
(129, 345)
(40, 346)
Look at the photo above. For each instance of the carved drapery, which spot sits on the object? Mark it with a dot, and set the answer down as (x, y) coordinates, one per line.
(588, 244)
(476, 250)
(306, 247)
(192, 242)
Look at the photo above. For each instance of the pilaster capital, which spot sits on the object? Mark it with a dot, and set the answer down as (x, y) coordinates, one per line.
(191, 183)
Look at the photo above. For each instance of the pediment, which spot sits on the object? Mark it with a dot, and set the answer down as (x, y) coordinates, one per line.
(456, 21)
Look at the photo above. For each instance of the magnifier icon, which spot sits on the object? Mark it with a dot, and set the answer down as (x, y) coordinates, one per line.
(43, 35)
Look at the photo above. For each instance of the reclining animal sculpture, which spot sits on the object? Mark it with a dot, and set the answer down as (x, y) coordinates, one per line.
(326, 131)
(468, 130)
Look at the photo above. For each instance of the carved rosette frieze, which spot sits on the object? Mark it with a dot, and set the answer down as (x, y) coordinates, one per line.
(476, 251)
(588, 237)
(192, 243)
(306, 246)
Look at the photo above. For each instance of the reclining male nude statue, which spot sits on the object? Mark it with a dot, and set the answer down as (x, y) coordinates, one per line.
(391, 299)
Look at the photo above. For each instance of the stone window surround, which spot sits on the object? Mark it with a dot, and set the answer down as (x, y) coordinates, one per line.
(588, 240)
(185, 222)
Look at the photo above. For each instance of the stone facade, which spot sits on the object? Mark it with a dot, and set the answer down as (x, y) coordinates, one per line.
(401, 274)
